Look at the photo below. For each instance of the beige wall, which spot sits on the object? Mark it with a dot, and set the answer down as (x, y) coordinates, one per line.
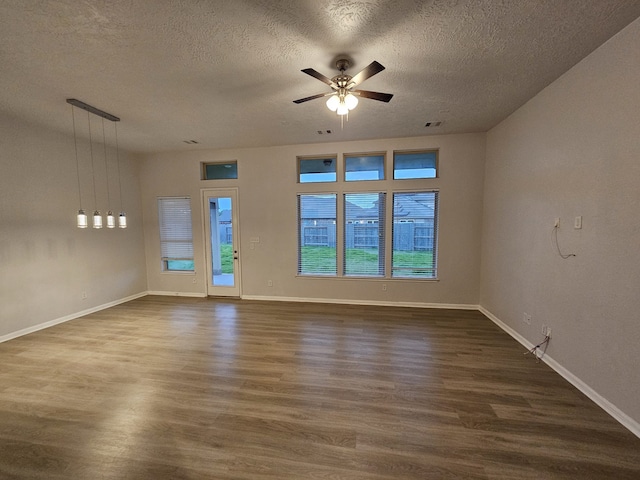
(267, 203)
(572, 150)
(45, 261)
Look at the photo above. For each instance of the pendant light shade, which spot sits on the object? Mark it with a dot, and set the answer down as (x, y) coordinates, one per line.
(82, 219)
(97, 219)
(122, 220)
(111, 220)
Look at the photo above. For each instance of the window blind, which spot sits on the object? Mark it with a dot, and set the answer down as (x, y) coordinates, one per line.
(317, 234)
(364, 234)
(415, 234)
(176, 242)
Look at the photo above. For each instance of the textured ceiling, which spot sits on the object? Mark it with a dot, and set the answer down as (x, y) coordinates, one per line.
(225, 73)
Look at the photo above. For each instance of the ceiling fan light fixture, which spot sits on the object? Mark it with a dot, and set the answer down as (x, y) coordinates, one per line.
(344, 98)
(351, 101)
(333, 102)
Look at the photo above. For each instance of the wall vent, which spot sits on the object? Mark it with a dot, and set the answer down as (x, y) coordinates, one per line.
(191, 142)
(322, 132)
(432, 124)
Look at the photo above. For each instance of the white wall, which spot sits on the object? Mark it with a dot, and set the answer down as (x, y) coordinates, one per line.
(572, 150)
(45, 261)
(267, 201)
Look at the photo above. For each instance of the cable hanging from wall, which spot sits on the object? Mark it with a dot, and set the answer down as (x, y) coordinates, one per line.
(97, 216)
(554, 239)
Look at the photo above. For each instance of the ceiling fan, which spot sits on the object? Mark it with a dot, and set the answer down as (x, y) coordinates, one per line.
(343, 96)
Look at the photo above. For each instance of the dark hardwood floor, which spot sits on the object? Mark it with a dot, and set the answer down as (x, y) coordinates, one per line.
(173, 388)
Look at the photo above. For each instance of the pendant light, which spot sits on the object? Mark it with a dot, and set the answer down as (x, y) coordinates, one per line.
(97, 217)
(81, 217)
(111, 221)
(122, 218)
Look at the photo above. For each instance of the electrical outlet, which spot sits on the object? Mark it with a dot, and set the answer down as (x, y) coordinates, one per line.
(548, 332)
(557, 222)
(526, 318)
(194, 280)
(577, 222)
(84, 295)
(384, 287)
(269, 283)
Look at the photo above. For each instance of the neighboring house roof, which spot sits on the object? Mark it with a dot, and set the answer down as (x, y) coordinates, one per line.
(224, 216)
(318, 207)
(407, 207)
(404, 207)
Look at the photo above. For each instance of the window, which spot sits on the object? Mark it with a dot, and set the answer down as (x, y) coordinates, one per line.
(364, 234)
(176, 243)
(220, 171)
(415, 226)
(317, 234)
(352, 231)
(363, 167)
(415, 164)
(311, 170)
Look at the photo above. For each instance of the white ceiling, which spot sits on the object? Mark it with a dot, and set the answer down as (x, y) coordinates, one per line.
(225, 73)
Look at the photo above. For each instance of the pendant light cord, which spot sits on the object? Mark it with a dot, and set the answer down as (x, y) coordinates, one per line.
(75, 144)
(106, 167)
(93, 170)
(115, 124)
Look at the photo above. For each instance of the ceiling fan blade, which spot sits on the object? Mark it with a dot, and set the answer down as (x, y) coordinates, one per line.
(368, 72)
(312, 97)
(319, 76)
(383, 97)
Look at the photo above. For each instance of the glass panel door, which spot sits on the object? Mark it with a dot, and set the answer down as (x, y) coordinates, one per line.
(222, 245)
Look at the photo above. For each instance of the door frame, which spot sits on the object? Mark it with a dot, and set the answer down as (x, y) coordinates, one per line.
(205, 195)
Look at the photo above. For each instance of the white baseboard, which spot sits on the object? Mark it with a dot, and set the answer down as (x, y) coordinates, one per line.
(626, 421)
(176, 294)
(360, 302)
(66, 318)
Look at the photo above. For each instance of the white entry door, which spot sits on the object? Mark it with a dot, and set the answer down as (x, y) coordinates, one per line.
(220, 211)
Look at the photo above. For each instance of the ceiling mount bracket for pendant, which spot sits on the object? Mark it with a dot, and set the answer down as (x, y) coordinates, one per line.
(92, 109)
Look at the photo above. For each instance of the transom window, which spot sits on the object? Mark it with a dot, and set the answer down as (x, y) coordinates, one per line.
(363, 167)
(220, 171)
(415, 164)
(320, 169)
